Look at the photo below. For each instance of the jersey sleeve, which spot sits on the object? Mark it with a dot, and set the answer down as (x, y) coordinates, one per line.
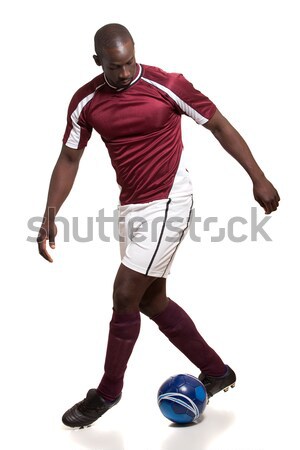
(187, 99)
(190, 100)
(78, 130)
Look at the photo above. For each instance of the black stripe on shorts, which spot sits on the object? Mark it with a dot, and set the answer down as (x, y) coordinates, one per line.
(182, 234)
(160, 236)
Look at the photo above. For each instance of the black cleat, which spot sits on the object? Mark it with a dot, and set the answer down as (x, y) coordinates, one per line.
(217, 384)
(84, 413)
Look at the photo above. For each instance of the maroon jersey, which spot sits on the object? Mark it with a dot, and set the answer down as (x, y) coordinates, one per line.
(140, 126)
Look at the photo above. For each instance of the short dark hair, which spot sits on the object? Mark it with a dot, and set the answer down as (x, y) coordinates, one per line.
(109, 36)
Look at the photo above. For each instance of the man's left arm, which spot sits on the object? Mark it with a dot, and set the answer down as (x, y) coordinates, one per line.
(264, 192)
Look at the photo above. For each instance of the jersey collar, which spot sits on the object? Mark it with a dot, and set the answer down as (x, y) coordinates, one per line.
(137, 77)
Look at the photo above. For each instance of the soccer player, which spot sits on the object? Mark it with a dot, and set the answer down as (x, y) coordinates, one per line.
(137, 111)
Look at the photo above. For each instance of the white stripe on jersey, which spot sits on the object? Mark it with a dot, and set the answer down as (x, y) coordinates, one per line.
(74, 137)
(198, 118)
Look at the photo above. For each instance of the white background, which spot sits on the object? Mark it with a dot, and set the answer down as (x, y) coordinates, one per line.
(242, 296)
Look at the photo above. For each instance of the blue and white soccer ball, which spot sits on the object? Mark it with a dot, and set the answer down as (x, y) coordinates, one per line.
(182, 398)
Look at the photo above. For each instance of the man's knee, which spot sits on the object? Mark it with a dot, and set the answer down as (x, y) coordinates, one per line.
(124, 301)
(129, 288)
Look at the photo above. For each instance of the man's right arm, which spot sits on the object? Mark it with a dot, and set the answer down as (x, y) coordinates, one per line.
(61, 183)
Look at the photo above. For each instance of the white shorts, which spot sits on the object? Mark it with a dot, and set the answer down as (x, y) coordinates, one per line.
(150, 233)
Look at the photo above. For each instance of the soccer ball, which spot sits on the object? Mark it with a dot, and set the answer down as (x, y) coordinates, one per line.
(182, 398)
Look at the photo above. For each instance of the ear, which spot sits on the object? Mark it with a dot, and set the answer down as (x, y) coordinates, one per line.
(97, 60)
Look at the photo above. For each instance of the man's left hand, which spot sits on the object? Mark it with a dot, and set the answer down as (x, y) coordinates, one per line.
(266, 195)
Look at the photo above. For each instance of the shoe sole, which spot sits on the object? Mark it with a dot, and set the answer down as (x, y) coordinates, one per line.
(78, 427)
(227, 388)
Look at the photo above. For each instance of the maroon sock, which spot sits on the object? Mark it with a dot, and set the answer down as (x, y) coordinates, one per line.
(123, 333)
(181, 331)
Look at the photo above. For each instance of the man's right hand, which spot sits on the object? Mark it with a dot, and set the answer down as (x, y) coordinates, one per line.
(47, 232)
(61, 183)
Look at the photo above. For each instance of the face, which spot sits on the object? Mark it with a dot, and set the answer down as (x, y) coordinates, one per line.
(118, 64)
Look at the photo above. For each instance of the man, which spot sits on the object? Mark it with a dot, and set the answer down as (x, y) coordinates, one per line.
(137, 111)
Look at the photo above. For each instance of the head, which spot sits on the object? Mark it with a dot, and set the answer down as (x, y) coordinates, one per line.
(114, 49)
